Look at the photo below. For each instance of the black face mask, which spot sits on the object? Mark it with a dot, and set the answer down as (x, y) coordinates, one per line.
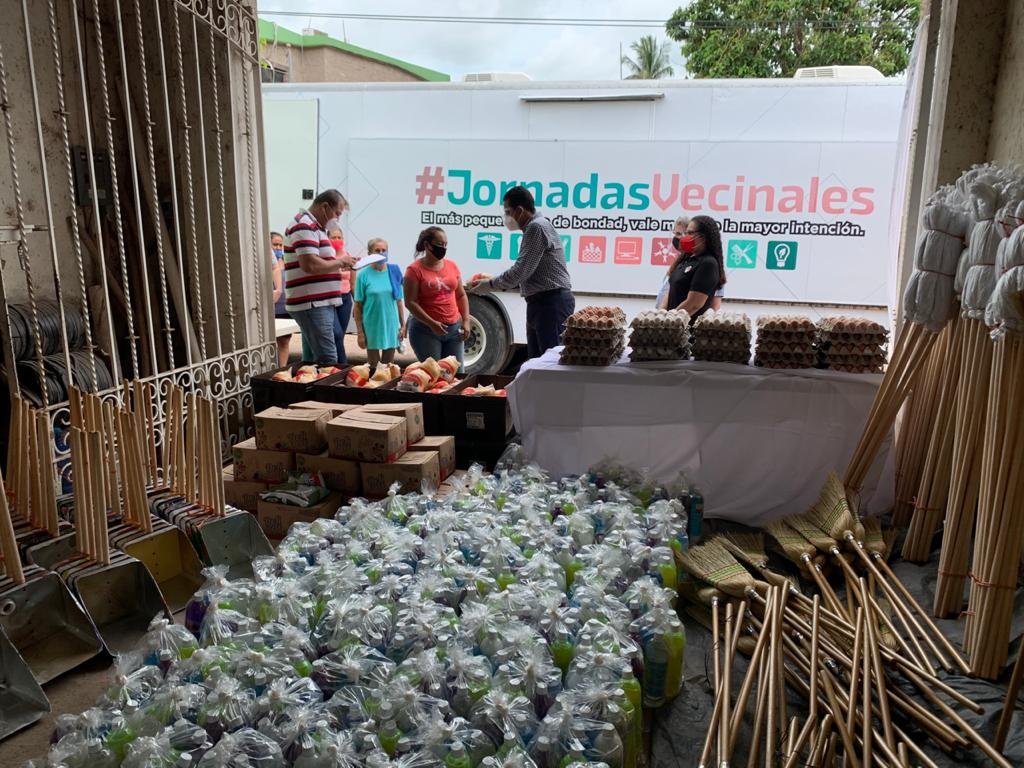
(439, 251)
(675, 242)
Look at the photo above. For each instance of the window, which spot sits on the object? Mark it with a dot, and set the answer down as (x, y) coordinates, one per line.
(270, 74)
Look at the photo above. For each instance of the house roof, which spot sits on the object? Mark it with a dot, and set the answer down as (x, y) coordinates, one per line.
(273, 33)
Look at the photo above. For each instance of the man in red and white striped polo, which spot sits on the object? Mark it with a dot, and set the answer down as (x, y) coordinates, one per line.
(313, 273)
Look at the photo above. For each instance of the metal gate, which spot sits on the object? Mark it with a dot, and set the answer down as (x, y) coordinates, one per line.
(133, 238)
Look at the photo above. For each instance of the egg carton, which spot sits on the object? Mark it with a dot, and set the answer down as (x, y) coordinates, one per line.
(659, 336)
(591, 335)
(738, 356)
(786, 323)
(853, 328)
(662, 318)
(639, 354)
(597, 318)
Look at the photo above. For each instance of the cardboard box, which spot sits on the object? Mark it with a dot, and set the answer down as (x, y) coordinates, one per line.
(288, 429)
(255, 465)
(445, 449)
(372, 437)
(334, 409)
(410, 470)
(243, 494)
(275, 519)
(412, 412)
(339, 474)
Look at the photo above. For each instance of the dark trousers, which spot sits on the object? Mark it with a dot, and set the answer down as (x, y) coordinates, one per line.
(546, 314)
(342, 317)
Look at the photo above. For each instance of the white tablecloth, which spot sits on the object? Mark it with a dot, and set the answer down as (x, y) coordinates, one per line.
(284, 327)
(757, 442)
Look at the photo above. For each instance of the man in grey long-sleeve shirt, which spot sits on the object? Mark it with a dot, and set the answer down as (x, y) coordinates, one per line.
(539, 273)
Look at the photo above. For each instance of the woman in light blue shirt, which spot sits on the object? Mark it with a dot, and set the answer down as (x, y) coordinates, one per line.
(379, 304)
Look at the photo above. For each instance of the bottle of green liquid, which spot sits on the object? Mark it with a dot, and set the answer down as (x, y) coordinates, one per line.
(675, 640)
(389, 736)
(632, 742)
(457, 757)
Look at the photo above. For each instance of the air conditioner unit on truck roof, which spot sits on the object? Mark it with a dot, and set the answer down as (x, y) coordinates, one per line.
(838, 73)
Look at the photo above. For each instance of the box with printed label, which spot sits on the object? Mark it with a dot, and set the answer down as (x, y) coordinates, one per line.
(334, 409)
(256, 465)
(243, 494)
(410, 471)
(291, 429)
(339, 474)
(445, 449)
(366, 437)
(275, 519)
(412, 412)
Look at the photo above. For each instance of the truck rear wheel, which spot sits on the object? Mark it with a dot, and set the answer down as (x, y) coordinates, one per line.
(490, 338)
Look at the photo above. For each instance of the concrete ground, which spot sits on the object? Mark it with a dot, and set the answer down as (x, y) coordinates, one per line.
(356, 356)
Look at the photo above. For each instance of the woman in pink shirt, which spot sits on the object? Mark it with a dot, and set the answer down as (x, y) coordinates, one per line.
(344, 310)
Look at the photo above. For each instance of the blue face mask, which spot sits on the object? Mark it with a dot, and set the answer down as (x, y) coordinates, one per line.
(384, 254)
(279, 253)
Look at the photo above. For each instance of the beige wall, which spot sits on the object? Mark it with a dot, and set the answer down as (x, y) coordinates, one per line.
(1006, 140)
(329, 65)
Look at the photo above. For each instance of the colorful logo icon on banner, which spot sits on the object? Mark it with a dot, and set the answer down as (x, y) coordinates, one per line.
(592, 249)
(662, 252)
(628, 250)
(566, 245)
(488, 245)
(741, 254)
(781, 255)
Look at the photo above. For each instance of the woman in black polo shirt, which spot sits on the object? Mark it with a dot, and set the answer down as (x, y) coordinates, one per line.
(701, 272)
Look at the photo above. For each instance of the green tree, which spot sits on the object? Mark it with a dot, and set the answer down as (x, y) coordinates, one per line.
(650, 60)
(773, 38)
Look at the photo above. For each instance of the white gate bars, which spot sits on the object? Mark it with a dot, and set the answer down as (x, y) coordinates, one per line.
(145, 114)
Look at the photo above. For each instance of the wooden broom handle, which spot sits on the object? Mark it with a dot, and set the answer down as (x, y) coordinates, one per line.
(8, 542)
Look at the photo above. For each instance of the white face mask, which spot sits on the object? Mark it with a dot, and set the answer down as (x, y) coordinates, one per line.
(511, 223)
(332, 224)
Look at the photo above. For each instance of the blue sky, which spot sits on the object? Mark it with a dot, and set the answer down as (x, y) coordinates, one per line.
(543, 53)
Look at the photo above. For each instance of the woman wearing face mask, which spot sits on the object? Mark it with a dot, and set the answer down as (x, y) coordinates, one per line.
(436, 299)
(344, 310)
(678, 231)
(284, 343)
(700, 271)
(379, 308)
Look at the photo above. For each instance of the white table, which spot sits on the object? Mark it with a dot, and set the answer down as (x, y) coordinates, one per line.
(284, 327)
(757, 442)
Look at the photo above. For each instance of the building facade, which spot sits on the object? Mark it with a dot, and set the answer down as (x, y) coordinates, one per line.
(314, 57)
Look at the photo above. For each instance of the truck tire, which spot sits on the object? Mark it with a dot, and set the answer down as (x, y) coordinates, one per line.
(490, 340)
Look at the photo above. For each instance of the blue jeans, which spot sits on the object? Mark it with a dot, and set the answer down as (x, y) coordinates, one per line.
(317, 326)
(342, 316)
(546, 314)
(425, 343)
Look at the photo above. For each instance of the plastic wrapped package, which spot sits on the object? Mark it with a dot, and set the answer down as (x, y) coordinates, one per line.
(645, 594)
(195, 610)
(228, 706)
(331, 750)
(169, 705)
(298, 730)
(356, 618)
(533, 672)
(425, 670)
(468, 678)
(256, 670)
(198, 667)
(220, 625)
(165, 643)
(154, 752)
(283, 600)
(408, 703)
(420, 628)
(566, 738)
(247, 748)
(94, 723)
(284, 563)
(353, 664)
(516, 757)
(664, 643)
(129, 690)
(596, 668)
(505, 717)
(78, 751)
(438, 735)
(611, 703)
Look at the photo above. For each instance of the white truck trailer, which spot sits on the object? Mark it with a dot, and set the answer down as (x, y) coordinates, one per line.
(799, 173)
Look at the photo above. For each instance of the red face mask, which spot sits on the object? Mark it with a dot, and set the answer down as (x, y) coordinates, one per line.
(339, 245)
(687, 243)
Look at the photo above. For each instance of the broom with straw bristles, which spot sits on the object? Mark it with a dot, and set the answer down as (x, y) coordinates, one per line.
(833, 516)
(749, 549)
(927, 302)
(802, 553)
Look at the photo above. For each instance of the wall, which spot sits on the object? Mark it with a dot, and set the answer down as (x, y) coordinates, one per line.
(1006, 140)
(330, 65)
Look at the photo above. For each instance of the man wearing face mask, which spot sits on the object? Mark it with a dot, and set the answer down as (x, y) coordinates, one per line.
(539, 273)
(313, 282)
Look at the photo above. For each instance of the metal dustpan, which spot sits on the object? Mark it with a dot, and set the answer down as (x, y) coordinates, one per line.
(195, 500)
(118, 592)
(22, 701)
(50, 629)
(41, 619)
(170, 557)
(164, 549)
